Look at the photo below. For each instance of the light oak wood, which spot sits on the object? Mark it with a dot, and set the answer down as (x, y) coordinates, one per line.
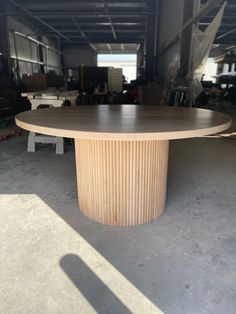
(122, 153)
(124, 122)
(121, 183)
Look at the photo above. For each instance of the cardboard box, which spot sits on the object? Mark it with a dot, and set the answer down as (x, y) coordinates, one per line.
(42, 81)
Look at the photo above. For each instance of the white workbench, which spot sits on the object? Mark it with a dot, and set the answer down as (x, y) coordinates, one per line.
(53, 98)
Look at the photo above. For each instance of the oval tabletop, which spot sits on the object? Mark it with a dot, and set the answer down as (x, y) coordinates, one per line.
(124, 122)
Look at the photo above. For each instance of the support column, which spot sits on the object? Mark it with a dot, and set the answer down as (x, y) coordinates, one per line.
(4, 46)
(150, 42)
(190, 7)
(140, 60)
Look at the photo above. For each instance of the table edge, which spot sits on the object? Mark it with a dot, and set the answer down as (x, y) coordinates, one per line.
(123, 136)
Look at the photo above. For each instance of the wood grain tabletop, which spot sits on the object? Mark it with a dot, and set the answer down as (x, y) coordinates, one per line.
(124, 122)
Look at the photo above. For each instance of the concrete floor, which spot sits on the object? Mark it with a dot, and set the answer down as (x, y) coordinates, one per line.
(55, 260)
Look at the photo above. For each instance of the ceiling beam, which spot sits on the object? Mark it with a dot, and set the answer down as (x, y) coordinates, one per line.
(210, 17)
(83, 34)
(93, 23)
(103, 31)
(105, 38)
(230, 47)
(86, 5)
(222, 24)
(226, 34)
(68, 14)
(39, 20)
(226, 40)
(109, 19)
(102, 40)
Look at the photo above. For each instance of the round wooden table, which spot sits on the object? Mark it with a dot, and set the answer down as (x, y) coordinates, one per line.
(122, 153)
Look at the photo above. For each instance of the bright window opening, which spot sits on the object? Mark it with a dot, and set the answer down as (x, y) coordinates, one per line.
(210, 71)
(128, 62)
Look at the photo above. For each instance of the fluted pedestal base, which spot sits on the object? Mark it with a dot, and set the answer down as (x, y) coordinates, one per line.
(122, 183)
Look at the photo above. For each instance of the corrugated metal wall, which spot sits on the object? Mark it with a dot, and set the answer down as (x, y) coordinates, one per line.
(24, 50)
(51, 57)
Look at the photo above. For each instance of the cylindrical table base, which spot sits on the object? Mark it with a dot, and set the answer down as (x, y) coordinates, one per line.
(122, 183)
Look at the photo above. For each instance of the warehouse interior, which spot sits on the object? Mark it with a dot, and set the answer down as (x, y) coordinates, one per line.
(175, 53)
